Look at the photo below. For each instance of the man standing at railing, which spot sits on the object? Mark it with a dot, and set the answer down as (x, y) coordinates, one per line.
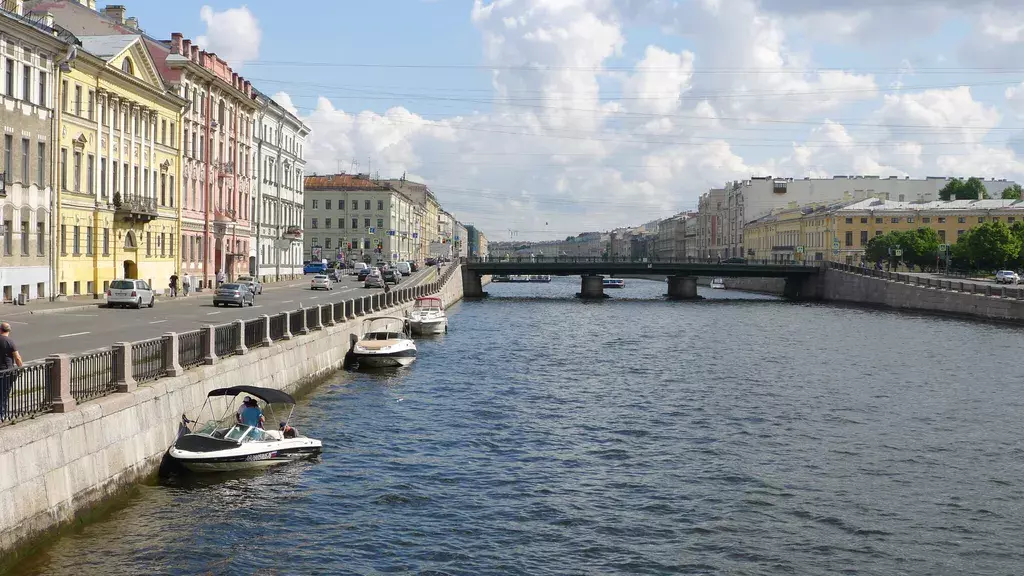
(9, 360)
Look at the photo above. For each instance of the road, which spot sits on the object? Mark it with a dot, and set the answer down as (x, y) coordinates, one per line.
(39, 335)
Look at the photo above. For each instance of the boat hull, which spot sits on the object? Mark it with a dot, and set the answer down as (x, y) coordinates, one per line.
(385, 359)
(236, 460)
(438, 326)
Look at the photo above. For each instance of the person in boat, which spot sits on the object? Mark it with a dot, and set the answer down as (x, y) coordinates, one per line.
(252, 415)
(238, 414)
(287, 431)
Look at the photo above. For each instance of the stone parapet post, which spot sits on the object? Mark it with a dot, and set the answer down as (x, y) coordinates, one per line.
(240, 348)
(267, 340)
(123, 367)
(171, 350)
(210, 357)
(60, 383)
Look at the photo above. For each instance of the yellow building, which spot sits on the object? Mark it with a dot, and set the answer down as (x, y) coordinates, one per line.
(841, 232)
(118, 168)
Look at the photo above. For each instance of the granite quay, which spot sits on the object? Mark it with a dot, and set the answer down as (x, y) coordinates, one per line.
(83, 426)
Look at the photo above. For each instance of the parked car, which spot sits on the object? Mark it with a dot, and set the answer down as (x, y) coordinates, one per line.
(134, 293)
(254, 285)
(414, 265)
(314, 268)
(321, 282)
(1007, 277)
(374, 280)
(392, 276)
(235, 294)
(363, 273)
(403, 268)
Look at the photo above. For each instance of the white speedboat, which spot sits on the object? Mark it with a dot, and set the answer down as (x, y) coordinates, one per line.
(427, 316)
(226, 445)
(718, 284)
(540, 278)
(385, 341)
(613, 283)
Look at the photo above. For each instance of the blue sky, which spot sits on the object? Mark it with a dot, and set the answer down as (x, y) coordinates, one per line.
(631, 108)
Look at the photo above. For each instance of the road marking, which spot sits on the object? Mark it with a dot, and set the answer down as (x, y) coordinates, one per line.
(83, 315)
(158, 321)
(257, 306)
(13, 322)
(75, 334)
(313, 297)
(287, 301)
(212, 313)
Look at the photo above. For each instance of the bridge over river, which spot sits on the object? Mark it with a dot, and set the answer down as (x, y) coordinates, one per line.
(802, 279)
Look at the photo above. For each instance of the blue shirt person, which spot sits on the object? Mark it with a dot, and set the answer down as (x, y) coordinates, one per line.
(251, 415)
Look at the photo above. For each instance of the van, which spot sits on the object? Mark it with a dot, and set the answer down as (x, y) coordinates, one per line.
(404, 268)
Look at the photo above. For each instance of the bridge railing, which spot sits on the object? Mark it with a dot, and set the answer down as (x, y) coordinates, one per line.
(630, 260)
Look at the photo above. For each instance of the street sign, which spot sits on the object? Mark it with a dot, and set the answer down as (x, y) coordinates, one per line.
(835, 252)
(799, 249)
(373, 230)
(943, 247)
(835, 244)
(899, 252)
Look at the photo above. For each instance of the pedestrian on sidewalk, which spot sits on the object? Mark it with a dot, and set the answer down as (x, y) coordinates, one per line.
(186, 283)
(10, 359)
(221, 278)
(174, 285)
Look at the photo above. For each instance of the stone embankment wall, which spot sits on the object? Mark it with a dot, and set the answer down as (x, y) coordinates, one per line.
(944, 297)
(57, 465)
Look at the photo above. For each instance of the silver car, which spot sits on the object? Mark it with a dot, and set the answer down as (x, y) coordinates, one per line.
(234, 294)
(374, 280)
(254, 285)
(133, 293)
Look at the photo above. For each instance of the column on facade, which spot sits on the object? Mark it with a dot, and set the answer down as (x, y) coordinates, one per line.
(100, 97)
(133, 110)
(112, 111)
(152, 150)
(146, 188)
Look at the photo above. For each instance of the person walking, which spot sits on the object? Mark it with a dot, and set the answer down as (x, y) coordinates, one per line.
(221, 278)
(186, 283)
(174, 285)
(10, 359)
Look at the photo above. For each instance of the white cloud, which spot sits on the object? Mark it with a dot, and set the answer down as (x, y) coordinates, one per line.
(661, 77)
(285, 100)
(233, 34)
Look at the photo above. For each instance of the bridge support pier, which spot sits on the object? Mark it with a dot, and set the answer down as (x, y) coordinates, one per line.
(804, 287)
(591, 286)
(682, 288)
(472, 287)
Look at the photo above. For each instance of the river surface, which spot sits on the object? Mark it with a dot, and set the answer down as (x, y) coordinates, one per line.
(544, 435)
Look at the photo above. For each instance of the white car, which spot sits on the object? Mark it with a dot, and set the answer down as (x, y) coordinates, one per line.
(130, 293)
(321, 282)
(1007, 277)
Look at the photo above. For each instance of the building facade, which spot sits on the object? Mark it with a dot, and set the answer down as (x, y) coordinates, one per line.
(118, 168)
(477, 242)
(279, 205)
(28, 56)
(461, 245)
(354, 218)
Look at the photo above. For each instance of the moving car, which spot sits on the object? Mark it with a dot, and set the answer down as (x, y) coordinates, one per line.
(363, 273)
(374, 280)
(392, 276)
(321, 282)
(404, 268)
(734, 260)
(314, 268)
(254, 285)
(414, 265)
(359, 267)
(134, 293)
(234, 294)
(430, 262)
(1007, 277)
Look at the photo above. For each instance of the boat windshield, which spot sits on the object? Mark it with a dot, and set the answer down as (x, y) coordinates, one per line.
(383, 336)
(236, 432)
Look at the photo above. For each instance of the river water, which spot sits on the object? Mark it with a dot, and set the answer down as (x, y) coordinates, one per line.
(544, 435)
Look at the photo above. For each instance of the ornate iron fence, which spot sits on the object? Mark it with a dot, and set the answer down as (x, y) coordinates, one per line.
(278, 326)
(225, 340)
(191, 348)
(296, 321)
(148, 360)
(93, 375)
(255, 330)
(25, 391)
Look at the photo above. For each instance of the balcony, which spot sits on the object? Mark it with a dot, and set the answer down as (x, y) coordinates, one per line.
(135, 208)
(224, 214)
(224, 169)
(293, 233)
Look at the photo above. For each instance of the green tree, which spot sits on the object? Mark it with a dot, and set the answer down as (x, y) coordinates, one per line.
(920, 246)
(960, 189)
(987, 247)
(878, 247)
(1012, 192)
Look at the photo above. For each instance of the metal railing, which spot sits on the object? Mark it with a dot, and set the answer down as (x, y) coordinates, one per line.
(278, 326)
(191, 348)
(736, 261)
(148, 360)
(93, 375)
(28, 391)
(255, 330)
(225, 340)
(965, 286)
(25, 391)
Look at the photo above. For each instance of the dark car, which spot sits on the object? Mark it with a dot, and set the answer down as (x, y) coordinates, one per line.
(363, 273)
(734, 260)
(392, 276)
(430, 262)
(414, 265)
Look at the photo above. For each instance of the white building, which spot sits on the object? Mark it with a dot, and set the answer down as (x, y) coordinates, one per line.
(28, 52)
(280, 199)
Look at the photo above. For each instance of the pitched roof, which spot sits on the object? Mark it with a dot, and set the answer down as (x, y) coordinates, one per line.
(108, 47)
(340, 181)
(987, 204)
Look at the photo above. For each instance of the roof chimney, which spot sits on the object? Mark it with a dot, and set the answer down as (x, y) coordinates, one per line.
(234, 80)
(115, 12)
(132, 22)
(195, 53)
(186, 47)
(176, 42)
(90, 4)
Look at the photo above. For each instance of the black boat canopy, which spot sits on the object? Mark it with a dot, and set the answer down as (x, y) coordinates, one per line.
(268, 395)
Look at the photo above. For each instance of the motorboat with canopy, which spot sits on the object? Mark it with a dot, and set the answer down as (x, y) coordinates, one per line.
(427, 316)
(384, 341)
(227, 444)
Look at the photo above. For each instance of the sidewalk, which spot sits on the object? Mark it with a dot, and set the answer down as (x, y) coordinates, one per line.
(79, 305)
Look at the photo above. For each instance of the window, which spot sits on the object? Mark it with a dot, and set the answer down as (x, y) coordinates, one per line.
(26, 82)
(41, 165)
(312, 223)
(341, 223)
(92, 105)
(106, 241)
(64, 96)
(895, 219)
(981, 219)
(366, 221)
(1011, 219)
(864, 220)
(9, 78)
(366, 204)
(126, 66)
(341, 204)
(42, 88)
(942, 236)
(149, 243)
(959, 233)
(103, 177)
(8, 163)
(78, 171)
(78, 100)
(113, 173)
(64, 240)
(40, 238)
(163, 131)
(124, 174)
(25, 145)
(90, 168)
(170, 186)
(355, 223)
(64, 168)
(380, 204)
(849, 220)
(910, 219)
(926, 219)
(8, 238)
(327, 243)
(942, 219)
(878, 220)
(380, 222)
(24, 237)
(849, 237)
(88, 240)
(314, 204)
(366, 244)
(878, 232)
(76, 240)
(327, 223)
(163, 189)
(173, 141)
(327, 204)
(961, 219)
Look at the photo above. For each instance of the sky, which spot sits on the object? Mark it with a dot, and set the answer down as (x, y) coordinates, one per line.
(539, 119)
